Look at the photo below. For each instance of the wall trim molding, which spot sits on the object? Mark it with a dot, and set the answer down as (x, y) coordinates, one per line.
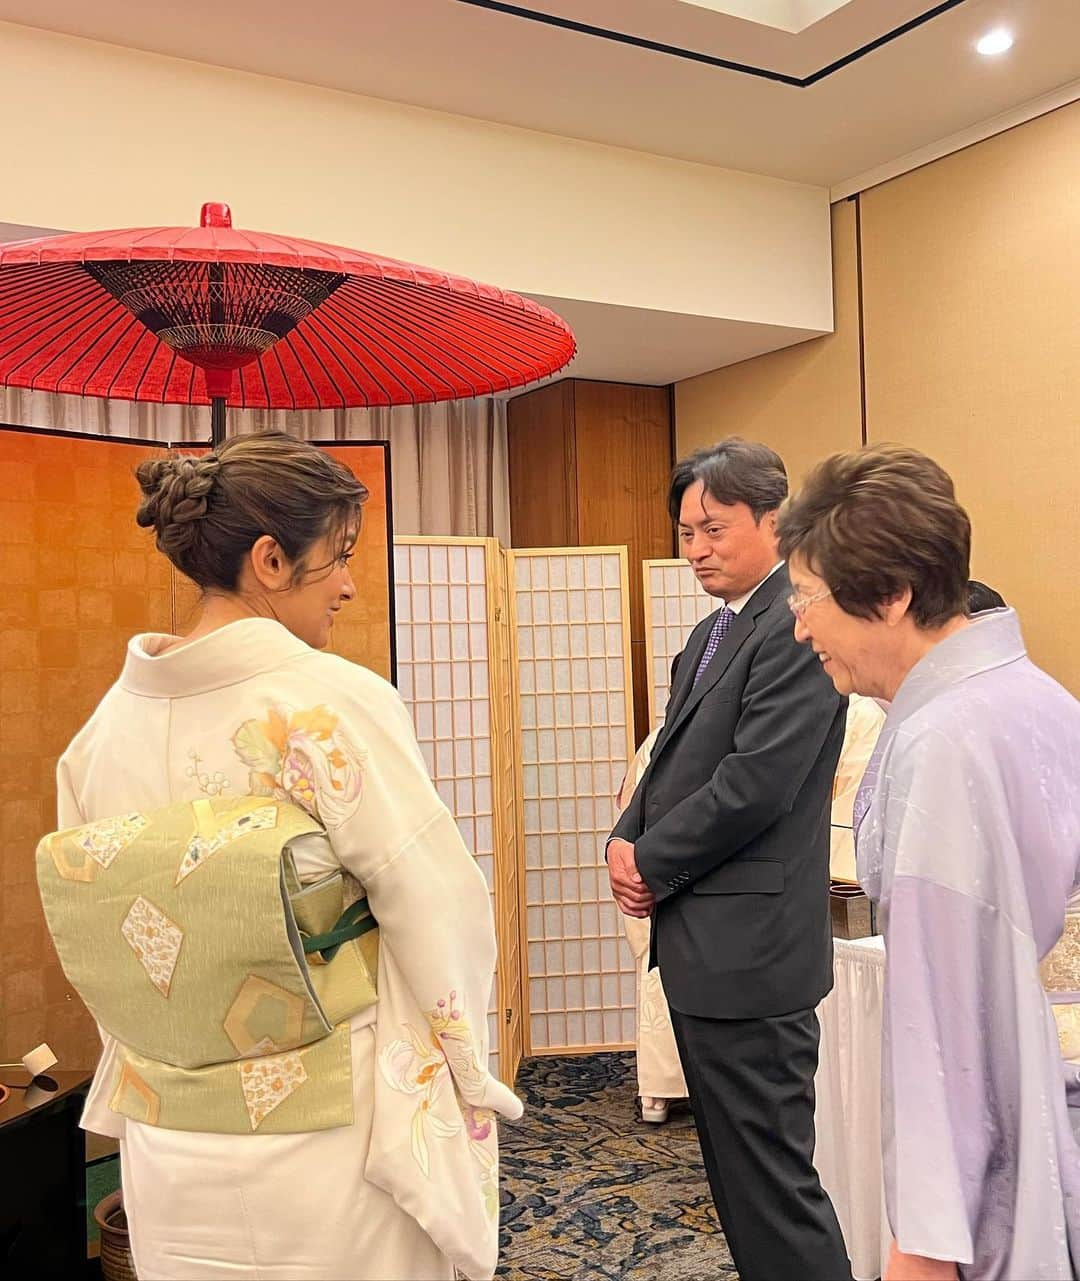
(1041, 106)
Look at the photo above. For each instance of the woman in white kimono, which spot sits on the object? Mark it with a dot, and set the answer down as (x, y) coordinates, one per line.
(659, 1072)
(247, 704)
(968, 837)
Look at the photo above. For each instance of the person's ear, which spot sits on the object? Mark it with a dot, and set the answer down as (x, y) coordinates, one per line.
(269, 564)
(895, 610)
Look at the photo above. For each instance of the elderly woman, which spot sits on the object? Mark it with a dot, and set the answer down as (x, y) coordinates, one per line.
(968, 837)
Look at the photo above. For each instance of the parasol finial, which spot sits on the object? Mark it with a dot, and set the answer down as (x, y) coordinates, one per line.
(215, 214)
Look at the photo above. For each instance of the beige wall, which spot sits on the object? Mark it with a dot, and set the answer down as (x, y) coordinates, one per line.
(971, 279)
(804, 400)
(971, 341)
(111, 137)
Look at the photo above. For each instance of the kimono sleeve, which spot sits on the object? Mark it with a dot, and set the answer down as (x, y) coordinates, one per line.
(962, 1037)
(68, 810)
(424, 887)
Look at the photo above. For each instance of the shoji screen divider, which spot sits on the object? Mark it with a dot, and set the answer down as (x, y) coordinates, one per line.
(674, 603)
(509, 837)
(571, 629)
(455, 673)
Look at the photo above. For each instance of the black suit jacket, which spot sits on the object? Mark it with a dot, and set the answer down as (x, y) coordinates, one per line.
(730, 822)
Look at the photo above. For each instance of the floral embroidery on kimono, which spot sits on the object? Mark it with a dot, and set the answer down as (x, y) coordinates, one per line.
(107, 838)
(423, 1067)
(653, 1014)
(412, 1066)
(303, 756)
(480, 1127)
(268, 1082)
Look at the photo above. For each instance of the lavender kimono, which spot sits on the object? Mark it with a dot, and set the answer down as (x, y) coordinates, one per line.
(969, 839)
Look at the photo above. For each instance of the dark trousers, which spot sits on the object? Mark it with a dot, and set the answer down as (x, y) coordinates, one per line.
(752, 1090)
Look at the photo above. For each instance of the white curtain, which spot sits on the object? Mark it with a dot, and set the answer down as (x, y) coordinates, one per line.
(448, 460)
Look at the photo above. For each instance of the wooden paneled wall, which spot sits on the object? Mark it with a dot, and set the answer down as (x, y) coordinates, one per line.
(589, 466)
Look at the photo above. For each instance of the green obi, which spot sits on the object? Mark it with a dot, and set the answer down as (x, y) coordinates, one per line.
(227, 985)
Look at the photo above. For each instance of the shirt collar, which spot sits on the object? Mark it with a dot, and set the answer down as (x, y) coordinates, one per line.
(737, 604)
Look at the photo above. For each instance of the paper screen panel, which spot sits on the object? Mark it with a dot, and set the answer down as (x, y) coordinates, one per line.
(571, 610)
(443, 677)
(674, 604)
(79, 579)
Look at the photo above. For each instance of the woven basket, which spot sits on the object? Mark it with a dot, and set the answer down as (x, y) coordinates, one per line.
(116, 1261)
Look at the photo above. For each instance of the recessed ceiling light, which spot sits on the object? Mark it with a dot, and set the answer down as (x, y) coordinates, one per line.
(996, 41)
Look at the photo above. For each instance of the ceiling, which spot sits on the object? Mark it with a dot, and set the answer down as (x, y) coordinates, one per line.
(581, 78)
(637, 345)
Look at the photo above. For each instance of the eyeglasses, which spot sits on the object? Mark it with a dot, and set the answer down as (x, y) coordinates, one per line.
(800, 604)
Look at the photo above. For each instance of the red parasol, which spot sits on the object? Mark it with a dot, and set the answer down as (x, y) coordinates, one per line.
(213, 314)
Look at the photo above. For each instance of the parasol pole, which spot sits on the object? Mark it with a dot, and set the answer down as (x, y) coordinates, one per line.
(218, 385)
(218, 381)
(217, 421)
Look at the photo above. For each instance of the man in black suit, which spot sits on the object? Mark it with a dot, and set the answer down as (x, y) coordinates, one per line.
(726, 843)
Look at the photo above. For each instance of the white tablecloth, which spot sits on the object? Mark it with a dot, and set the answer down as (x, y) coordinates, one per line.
(848, 1155)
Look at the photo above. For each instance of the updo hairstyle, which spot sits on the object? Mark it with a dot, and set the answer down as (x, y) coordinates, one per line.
(208, 511)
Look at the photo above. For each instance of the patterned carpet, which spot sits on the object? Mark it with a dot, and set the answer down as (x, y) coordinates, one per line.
(589, 1190)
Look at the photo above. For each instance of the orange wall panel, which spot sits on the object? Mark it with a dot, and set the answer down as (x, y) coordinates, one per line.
(77, 578)
(363, 631)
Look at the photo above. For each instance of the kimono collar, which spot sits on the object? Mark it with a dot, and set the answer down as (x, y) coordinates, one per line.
(992, 640)
(231, 654)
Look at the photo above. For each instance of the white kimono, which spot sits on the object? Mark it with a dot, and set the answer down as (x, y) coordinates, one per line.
(864, 721)
(659, 1071)
(410, 1189)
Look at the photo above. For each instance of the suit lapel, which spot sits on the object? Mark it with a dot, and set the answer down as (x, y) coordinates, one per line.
(688, 665)
(741, 629)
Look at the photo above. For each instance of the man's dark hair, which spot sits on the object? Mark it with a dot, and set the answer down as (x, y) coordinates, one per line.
(981, 597)
(733, 471)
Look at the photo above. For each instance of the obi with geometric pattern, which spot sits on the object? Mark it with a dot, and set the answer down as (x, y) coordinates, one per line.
(227, 984)
(1060, 974)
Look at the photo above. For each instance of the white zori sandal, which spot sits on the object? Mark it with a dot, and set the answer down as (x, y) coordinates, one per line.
(655, 1111)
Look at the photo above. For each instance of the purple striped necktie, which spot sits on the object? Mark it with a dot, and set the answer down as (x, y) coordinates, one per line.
(719, 630)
